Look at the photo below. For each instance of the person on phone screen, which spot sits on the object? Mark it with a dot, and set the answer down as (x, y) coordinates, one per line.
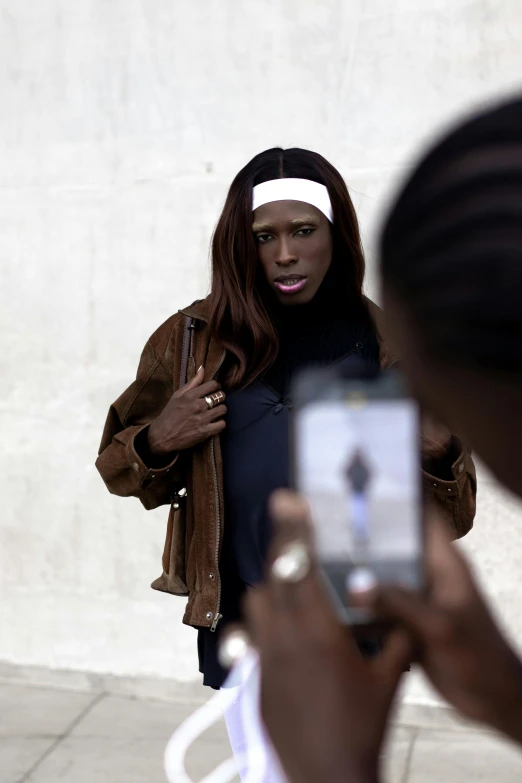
(286, 292)
(451, 265)
(358, 477)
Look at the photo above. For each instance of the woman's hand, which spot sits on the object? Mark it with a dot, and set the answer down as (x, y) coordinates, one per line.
(325, 707)
(461, 648)
(186, 419)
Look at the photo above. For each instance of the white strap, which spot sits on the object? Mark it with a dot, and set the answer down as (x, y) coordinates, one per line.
(254, 758)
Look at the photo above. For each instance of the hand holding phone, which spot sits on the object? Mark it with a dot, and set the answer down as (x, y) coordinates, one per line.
(357, 459)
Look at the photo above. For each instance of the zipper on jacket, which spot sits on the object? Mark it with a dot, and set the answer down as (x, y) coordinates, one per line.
(217, 615)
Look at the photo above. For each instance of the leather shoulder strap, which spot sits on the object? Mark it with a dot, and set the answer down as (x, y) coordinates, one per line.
(185, 350)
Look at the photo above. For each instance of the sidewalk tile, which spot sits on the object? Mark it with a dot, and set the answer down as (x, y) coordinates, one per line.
(396, 754)
(97, 760)
(18, 754)
(38, 712)
(88, 759)
(441, 718)
(208, 751)
(124, 718)
(459, 758)
(124, 739)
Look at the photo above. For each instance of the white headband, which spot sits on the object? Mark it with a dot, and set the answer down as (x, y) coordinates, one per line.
(293, 189)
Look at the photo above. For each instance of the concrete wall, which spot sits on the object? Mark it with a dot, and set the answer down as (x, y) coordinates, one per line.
(121, 125)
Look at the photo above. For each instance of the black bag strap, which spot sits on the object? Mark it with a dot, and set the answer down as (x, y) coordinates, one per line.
(185, 350)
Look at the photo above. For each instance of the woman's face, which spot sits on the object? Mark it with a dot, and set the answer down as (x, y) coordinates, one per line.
(294, 247)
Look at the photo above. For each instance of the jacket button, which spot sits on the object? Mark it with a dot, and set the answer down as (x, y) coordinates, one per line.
(175, 506)
(449, 490)
(135, 466)
(211, 576)
(209, 615)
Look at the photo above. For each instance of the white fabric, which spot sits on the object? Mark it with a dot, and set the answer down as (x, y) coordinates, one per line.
(238, 702)
(293, 189)
(256, 759)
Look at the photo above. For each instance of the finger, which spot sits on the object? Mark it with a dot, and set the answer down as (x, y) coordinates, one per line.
(258, 615)
(274, 624)
(276, 636)
(196, 381)
(213, 414)
(362, 588)
(290, 515)
(214, 428)
(448, 573)
(409, 608)
(304, 602)
(201, 405)
(396, 657)
(204, 389)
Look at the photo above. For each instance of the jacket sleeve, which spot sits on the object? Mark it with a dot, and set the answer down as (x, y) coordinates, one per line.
(456, 497)
(119, 463)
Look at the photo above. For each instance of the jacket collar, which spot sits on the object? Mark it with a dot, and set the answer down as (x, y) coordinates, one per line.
(200, 310)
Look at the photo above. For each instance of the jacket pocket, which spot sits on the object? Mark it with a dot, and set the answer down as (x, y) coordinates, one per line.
(174, 578)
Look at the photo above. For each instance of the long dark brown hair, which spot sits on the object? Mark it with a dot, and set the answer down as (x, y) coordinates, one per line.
(239, 314)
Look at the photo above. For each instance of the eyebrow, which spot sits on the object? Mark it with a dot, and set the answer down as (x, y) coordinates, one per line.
(298, 221)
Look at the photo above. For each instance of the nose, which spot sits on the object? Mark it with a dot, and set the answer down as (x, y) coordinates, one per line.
(286, 255)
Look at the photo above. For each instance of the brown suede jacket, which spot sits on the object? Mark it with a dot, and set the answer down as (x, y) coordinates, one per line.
(192, 483)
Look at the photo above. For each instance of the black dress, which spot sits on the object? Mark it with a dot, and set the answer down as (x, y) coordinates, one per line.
(255, 448)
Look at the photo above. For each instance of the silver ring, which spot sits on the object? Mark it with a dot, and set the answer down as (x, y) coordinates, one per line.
(210, 402)
(292, 564)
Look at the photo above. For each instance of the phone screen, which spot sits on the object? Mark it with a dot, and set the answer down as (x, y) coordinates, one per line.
(357, 460)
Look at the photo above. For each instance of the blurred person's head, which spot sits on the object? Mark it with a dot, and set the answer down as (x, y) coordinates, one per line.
(280, 253)
(451, 264)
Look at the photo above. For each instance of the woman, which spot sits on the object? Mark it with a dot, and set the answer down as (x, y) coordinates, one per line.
(287, 277)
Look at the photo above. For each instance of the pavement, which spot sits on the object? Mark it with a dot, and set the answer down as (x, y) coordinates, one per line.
(50, 734)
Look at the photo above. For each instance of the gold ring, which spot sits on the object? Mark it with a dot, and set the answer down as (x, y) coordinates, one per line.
(218, 397)
(210, 402)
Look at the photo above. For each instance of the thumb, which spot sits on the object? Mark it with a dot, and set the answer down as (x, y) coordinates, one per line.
(411, 609)
(397, 655)
(197, 380)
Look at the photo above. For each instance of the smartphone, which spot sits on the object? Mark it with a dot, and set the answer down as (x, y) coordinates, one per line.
(356, 456)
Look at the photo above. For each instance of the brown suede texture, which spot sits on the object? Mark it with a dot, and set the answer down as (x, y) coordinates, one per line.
(195, 522)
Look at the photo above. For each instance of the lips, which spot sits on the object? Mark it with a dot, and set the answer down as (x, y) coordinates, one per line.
(290, 284)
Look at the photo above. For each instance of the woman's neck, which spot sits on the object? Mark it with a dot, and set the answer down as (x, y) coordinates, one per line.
(331, 303)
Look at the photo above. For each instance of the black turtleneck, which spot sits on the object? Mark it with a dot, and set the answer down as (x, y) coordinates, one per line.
(255, 444)
(319, 332)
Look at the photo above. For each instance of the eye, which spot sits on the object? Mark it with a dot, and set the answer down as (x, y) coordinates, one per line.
(305, 232)
(263, 238)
